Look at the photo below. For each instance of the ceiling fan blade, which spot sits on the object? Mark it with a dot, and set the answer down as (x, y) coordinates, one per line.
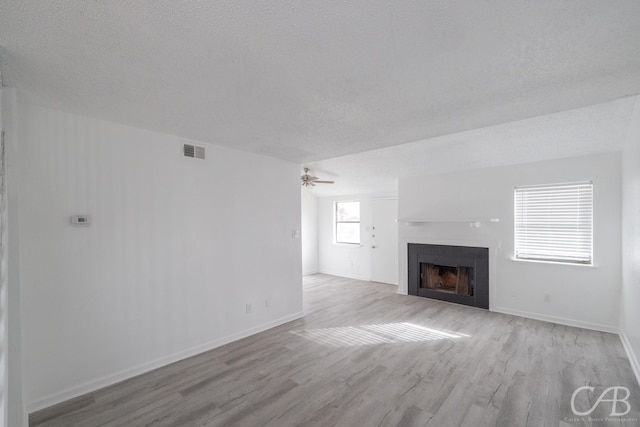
(308, 180)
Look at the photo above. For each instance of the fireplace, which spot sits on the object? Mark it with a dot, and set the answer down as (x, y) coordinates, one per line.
(458, 274)
(444, 278)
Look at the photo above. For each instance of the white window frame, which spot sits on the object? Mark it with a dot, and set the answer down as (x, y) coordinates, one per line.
(554, 223)
(336, 222)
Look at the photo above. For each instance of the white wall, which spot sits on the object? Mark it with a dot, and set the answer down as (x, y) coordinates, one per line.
(580, 295)
(630, 298)
(309, 233)
(176, 249)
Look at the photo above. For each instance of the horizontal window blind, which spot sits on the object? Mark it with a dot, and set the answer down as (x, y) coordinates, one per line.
(554, 222)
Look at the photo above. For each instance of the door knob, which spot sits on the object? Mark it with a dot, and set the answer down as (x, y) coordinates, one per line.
(373, 247)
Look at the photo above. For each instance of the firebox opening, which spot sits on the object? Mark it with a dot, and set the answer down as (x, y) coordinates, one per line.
(443, 278)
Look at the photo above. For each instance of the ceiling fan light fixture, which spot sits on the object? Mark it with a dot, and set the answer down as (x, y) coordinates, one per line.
(308, 180)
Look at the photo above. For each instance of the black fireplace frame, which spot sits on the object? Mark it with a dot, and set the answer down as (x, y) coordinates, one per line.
(453, 256)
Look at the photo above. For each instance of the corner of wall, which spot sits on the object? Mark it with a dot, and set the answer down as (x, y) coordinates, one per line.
(15, 411)
(309, 226)
(630, 292)
(633, 359)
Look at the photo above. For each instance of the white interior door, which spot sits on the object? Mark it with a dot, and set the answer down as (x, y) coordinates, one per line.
(384, 241)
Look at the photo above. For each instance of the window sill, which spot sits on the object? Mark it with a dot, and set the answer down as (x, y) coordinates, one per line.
(567, 264)
(348, 245)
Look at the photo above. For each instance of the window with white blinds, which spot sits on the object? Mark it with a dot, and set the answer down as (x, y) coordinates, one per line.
(554, 222)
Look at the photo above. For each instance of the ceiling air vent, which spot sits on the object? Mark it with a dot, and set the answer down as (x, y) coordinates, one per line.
(193, 151)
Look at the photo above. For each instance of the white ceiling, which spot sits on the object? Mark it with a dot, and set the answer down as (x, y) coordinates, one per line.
(307, 81)
(590, 130)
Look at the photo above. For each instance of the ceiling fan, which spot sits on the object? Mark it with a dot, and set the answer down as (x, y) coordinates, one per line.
(308, 180)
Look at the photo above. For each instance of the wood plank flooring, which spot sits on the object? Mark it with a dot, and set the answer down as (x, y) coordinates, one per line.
(366, 356)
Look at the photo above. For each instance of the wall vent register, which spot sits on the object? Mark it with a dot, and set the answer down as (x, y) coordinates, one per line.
(193, 151)
(81, 220)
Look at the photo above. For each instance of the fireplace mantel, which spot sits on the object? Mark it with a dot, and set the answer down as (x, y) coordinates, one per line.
(474, 222)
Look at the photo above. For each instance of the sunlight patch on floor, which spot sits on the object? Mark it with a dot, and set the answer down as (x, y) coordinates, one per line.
(387, 333)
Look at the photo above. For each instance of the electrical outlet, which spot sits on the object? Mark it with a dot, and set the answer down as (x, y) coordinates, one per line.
(547, 298)
(248, 308)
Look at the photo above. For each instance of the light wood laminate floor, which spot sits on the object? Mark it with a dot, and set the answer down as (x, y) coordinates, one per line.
(366, 356)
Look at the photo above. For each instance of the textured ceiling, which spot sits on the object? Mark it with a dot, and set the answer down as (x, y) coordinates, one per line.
(585, 131)
(307, 81)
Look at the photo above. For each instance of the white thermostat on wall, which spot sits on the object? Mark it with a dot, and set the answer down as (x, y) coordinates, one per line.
(81, 220)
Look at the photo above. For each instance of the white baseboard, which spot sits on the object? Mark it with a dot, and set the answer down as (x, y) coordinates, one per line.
(345, 275)
(633, 358)
(116, 377)
(558, 320)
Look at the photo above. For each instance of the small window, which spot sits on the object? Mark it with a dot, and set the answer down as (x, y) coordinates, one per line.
(554, 222)
(348, 222)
